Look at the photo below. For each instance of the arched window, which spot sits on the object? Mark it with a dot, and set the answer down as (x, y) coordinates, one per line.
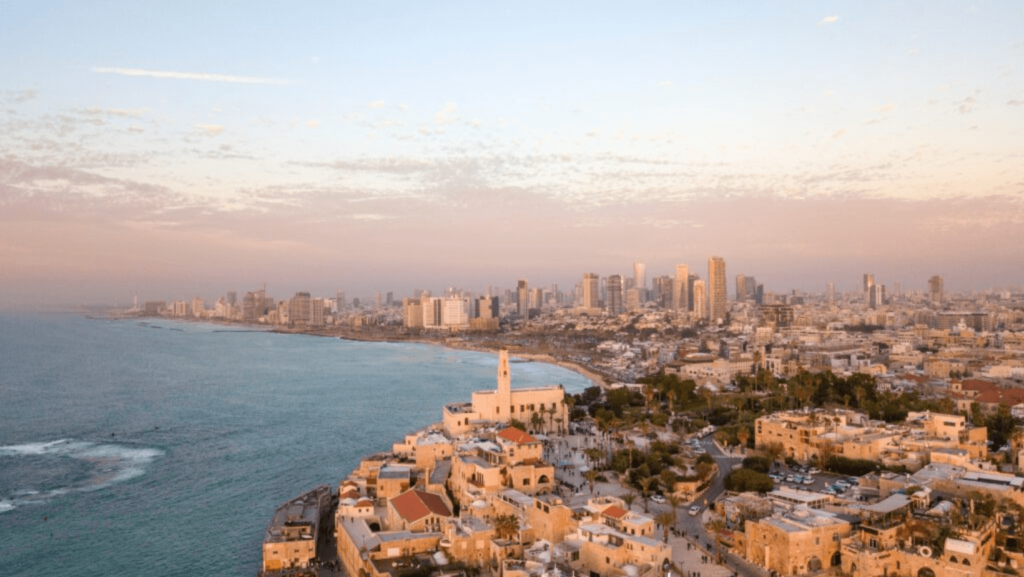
(966, 562)
(953, 559)
(925, 572)
(837, 559)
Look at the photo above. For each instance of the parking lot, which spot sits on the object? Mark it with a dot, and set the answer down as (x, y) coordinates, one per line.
(811, 479)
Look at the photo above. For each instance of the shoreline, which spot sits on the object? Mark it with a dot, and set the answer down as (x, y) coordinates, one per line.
(447, 342)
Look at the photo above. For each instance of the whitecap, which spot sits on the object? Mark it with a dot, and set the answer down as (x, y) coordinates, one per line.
(111, 464)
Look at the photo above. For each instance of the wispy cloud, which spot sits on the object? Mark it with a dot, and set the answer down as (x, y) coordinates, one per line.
(839, 133)
(1015, 102)
(205, 76)
(211, 129)
(887, 108)
(828, 20)
(966, 105)
(378, 104)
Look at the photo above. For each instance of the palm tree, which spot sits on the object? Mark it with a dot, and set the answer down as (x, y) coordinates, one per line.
(506, 526)
(666, 520)
(591, 476)
(674, 501)
(645, 489)
(629, 498)
(537, 421)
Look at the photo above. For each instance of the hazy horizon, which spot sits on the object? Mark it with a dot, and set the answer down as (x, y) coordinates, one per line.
(187, 149)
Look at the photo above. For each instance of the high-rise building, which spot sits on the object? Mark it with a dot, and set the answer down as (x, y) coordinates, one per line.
(717, 292)
(935, 289)
(869, 283)
(741, 288)
(299, 309)
(633, 299)
(699, 299)
(591, 291)
(232, 298)
(640, 276)
(830, 293)
(615, 294)
(523, 298)
(681, 289)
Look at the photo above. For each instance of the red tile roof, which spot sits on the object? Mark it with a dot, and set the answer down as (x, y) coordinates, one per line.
(414, 505)
(615, 512)
(517, 436)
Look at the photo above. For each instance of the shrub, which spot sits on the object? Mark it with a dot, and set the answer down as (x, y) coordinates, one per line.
(757, 463)
(742, 480)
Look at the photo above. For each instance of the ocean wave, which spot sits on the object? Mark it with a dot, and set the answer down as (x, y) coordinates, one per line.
(109, 464)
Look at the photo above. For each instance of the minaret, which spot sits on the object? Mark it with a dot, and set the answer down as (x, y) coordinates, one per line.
(504, 388)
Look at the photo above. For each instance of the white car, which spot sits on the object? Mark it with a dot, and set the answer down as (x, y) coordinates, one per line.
(694, 510)
(658, 499)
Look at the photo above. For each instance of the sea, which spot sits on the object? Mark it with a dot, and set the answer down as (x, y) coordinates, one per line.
(161, 448)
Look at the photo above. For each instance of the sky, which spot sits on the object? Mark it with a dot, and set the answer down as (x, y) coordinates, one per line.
(176, 149)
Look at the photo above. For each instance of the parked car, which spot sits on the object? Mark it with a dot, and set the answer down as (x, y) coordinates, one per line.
(789, 478)
(694, 510)
(814, 470)
(658, 499)
(808, 480)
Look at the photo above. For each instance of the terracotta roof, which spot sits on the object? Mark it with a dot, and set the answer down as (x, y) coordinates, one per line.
(517, 436)
(977, 385)
(350, 494)
(1008, 396)
(615, 512)
(364, 503)
(414, 505)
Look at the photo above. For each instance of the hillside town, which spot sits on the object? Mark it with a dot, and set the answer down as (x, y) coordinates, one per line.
(817, 474)
(861, 433)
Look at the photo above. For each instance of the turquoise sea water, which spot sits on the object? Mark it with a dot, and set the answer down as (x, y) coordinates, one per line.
(164, 448)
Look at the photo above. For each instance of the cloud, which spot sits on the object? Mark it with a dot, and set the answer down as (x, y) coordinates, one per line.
(1015, 102)
(913, 52)
(370, 217)
(828, 20)
(966, 105)
(838, 134)
(446, 115)
(403, 107)
(665, 84)
(18, 96)
(887, 108)
(211, 129)
(377, 104)
(312, 123)
(828, 93)
(204, 76)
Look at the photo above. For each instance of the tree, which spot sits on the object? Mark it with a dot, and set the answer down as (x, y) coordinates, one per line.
(674, 501)
(742, 480)
(666, 520)
(743, 434)
(645, 489)
(591, 476)
(506, 526)
(537, 421)
(774, 450)
(629, 498)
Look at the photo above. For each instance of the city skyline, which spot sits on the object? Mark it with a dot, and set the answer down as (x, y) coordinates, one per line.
(192, 149)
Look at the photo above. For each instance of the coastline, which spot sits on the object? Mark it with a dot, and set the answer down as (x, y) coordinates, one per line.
(375, 336)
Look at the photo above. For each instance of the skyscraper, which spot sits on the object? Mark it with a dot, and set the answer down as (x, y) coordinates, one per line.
(681, 288)
(741, 288)
(699, 299)
(935, 289)
(523, 298)
(615, 295)
(591, 291)
(830, 293)
(869, 283)
(640, 279)
(717, 292)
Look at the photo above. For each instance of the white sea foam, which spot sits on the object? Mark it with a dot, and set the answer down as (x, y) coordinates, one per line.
(112, 464)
